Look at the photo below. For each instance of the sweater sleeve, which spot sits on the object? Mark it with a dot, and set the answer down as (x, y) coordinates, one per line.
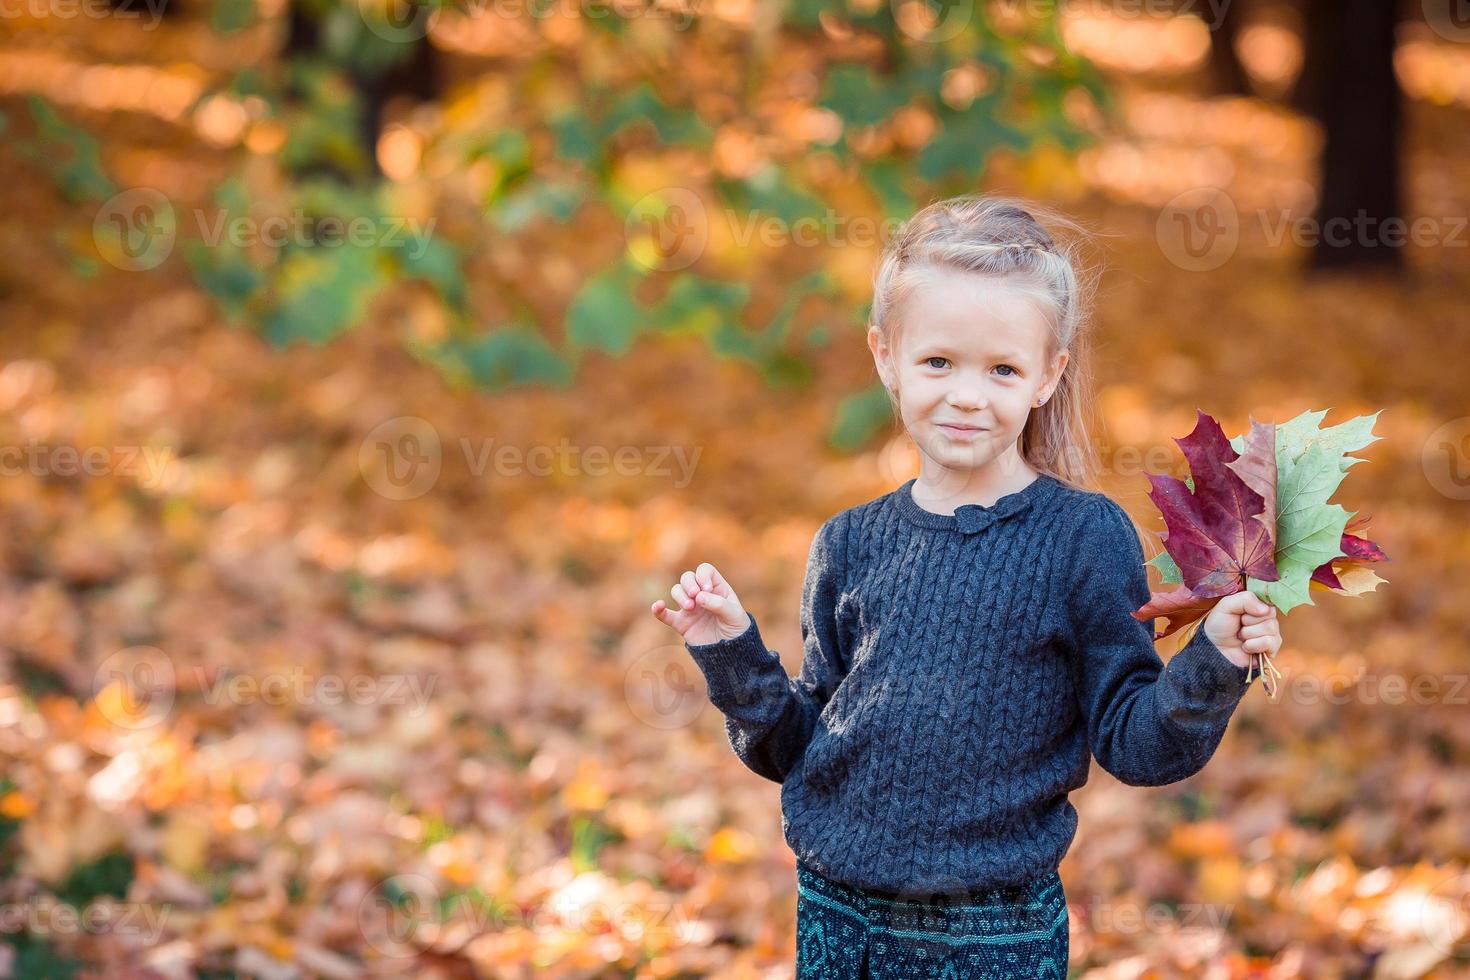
(1147, 724)
(770, 716)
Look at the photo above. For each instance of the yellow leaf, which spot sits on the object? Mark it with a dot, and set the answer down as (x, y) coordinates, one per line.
(185, 841)
(731, 846)
(1221, 880)
(1358, 580)
(16, 805)
(585, 794)
(1208, 838)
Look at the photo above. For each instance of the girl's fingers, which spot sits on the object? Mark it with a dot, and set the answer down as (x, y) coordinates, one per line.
(1259, 629)
(1248, 604)
(691, 586)
(713, 580)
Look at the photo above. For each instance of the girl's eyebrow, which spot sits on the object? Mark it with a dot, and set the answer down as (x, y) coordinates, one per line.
(930, 350)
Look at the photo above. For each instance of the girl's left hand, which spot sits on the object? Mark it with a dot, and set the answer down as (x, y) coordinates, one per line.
(1242, 625)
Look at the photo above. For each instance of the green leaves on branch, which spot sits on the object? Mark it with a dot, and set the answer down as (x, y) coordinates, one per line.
(587, 135)
(70, 154)
(586, 128)
(500, 359)
(859, 416)
(606, 315)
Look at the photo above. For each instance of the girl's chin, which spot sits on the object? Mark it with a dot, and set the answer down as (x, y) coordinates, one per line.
(960, 453)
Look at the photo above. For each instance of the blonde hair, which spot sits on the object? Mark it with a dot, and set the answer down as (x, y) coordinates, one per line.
(1001, 237)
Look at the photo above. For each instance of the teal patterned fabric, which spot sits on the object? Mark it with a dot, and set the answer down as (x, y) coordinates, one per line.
(845, 933)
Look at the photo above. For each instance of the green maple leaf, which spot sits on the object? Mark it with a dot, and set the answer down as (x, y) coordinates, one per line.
(1310, 464)
(1308, 528)
(1294, 436)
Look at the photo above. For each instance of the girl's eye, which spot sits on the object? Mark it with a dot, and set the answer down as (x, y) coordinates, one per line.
(943, 360)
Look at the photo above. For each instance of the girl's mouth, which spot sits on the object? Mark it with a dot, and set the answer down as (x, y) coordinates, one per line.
(960, 433)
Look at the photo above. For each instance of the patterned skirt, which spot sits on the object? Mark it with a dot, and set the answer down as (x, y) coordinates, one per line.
(844, 933)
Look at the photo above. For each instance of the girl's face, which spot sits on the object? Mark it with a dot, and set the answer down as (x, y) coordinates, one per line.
(969, 365)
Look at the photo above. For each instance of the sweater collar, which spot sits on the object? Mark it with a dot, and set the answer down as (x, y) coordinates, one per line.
(972, 518)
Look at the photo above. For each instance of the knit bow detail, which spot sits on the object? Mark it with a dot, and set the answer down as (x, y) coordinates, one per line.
(973, 518)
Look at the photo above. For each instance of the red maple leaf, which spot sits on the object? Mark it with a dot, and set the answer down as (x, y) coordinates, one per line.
(1179, 607)
(1223, 530)
(1356, 550)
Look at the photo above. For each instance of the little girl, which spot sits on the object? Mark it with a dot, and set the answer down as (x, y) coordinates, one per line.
(968, 637)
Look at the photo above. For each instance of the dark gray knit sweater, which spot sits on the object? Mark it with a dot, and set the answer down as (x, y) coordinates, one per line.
(956, 671)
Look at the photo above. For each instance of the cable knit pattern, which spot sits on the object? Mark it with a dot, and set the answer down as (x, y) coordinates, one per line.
(957, 672)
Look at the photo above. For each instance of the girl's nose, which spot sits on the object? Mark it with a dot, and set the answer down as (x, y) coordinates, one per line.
(966, 399)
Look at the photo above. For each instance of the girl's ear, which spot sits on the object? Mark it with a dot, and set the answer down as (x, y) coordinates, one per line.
(1059, 365)
(881, 356)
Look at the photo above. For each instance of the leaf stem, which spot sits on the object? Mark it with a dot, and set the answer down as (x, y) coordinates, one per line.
(1268, 673)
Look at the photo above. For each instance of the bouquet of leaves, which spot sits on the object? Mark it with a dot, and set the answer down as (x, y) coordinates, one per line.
(1254, 514)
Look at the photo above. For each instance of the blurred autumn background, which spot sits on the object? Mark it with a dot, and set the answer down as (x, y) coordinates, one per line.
(368, 370)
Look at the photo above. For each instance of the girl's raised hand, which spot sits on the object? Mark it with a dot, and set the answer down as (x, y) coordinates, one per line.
(706, 609)
(1242, 625)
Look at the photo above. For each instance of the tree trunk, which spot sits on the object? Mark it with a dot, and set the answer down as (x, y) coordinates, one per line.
(1227, 75)
(1360, 110)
